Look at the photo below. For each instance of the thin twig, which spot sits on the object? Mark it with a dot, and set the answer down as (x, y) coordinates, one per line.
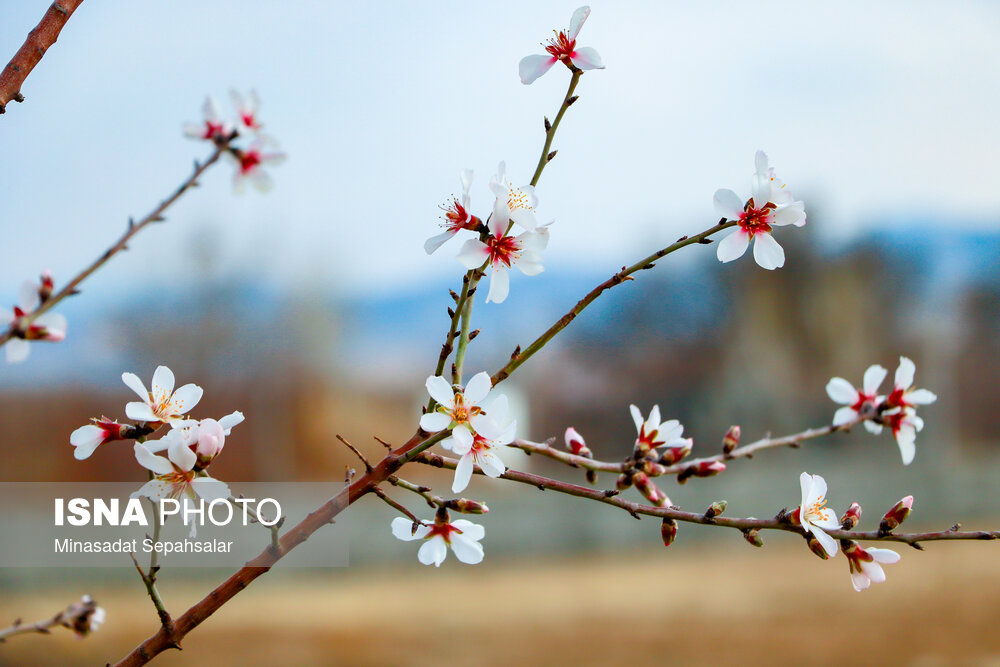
(41, 37)
(368, 465)
(550, 131)
(75, 617)
(393, 504)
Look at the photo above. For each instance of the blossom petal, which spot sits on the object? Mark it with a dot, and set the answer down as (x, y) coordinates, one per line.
(760, 162)
(873, 378)
(791, 214)
(478, 388)
(473, 254)
(532, 67)
(577, 20)
(432, 422)
(181, 454)
(163, 380)
(210, 488)
(906, 438)
(841, 391)
(491, 464)
(140, 412)
(154, 489)
(86, 439)
(463, 473)
(860, 581)
(229, 421)
(499, 286)
(727, 204)
(435, 242)
(186, 398)
(829, 544)
(733, 246)
(904, 374)
(587, 58)
(28, 298)
(434, 551)
(466, 550)
(887, 556)
(636, 417)
(873, 571)
(462, 441)
(921, 397)
(133, 382)
(17, 350)
(151, 461)
(441, 391)
(844, 415)
(402, 529)
(872, 427)
(805, 483)
(768, 252)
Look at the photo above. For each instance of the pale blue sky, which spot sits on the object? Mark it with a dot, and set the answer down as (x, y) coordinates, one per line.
(871, 109)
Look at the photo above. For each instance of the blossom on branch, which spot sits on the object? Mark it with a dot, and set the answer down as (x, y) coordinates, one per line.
(563, 48)
(769, 206)
(246, 110)
(456, 216)
(213, 127)
(654, 434)
(500, 252)
(857, 402)
(479, 448)
(904, 424)
(513, 203)
(866, 564)
(250, 164)
(813, 513)
(161, 403)
(206, 438)
(88, 438)
(49, 327)
(904, 394)
(461, 535)
(457, 409)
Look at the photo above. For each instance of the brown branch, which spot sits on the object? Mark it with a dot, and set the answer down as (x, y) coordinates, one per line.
(611, 497)
(76, 617)
(156, 215)
(39, 40)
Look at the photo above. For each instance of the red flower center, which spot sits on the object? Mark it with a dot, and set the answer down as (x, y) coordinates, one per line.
(456, 217)
(503, 250)
(754, 220)
(896, 398)
(249, 160)
(561, 46)
(213, 129)
(444, 530)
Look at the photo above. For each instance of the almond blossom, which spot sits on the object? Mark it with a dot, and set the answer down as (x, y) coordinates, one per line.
(857, 401)
(501, 251)
(813, 513)
(246, 110)
(175, 476)
(213, 127)
(161, 403)
(904, 394)
(654, 434)
(456, 216)
(250, 164)
(458, 409)
(88, 438)
(49, 327)
(562, 47)
(461, 535)
(866, 564)
(513, 203)
(769, 206)
(206, 438)
(904, 424)
(480, 448)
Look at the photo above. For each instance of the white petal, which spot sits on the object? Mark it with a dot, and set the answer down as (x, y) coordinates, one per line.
(154, 489)
(432, 422)
(873, 571)
(844, 415)
(463, 473)
(210, 489)
(461, 441)
(140, 412)
(18, 350)
(133, 382)
(473, 254)
(577, 20)
(791, 214)
(860, 581)
(180, 453)
(435, 242)
(441, 391)
(872, 427)
(478, 388)
(86, 439)
(186, 398)
(841, 391)
(906, 438)
(525, 218)
(491, 464)
(887, 556)
(587, 58)
(27, 297)
(921, 397)
(760, 162)
(151, 461)
(466, 177)
(532, 67)
(163, 380)
(499, 285)
(402, 529)
(636, 417)
(434, 551)
(873, 378)
(471, 531)
(805, 483)
(768, 253)
(817, 490)
(466, 550)
(829, 544)
(727, 204)
(229, 421)
(733, 246)
(904, 374)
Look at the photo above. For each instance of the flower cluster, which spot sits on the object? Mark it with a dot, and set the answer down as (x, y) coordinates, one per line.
(816, 518)
(897, 410)
(771, 205)
(496, 249)
(250, 160)
(24, 326)
(190, 445)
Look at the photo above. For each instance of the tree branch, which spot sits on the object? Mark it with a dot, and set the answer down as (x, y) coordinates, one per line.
(76, 617)
(39, 40)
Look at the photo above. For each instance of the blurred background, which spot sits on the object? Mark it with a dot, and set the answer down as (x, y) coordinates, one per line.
(314, 310)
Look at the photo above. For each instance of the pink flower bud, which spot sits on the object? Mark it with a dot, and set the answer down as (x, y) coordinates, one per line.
(668, 531)
(709, 468)
(46, 286)
(576, 444)
(752, 536)
(731, 439)
(647, 488)
(465, 506)
(715, 509)
(211, 440)
(896, 515)
(652, 468)
(851, 517)
(816, 547)
(671, 455)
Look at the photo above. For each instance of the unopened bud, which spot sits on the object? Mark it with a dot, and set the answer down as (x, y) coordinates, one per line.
(896, 515)
(576, 444)
(647, 488)
(816, 547)
(668, 531)
(624, 480)
(46, 286)
(672, 455)
(851, 517)
(794, 517)
(466, 506)
(592, 476)
(715, 509)
(752, 535)
(652, 468)
(702, 469)
(731, 439)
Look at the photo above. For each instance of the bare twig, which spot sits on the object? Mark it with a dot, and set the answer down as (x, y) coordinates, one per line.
(81, 617)
(39, 40)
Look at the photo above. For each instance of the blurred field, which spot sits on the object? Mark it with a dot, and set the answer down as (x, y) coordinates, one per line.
(737, 605)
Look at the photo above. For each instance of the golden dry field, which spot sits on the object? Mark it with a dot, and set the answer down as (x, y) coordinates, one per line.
(733, 605)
